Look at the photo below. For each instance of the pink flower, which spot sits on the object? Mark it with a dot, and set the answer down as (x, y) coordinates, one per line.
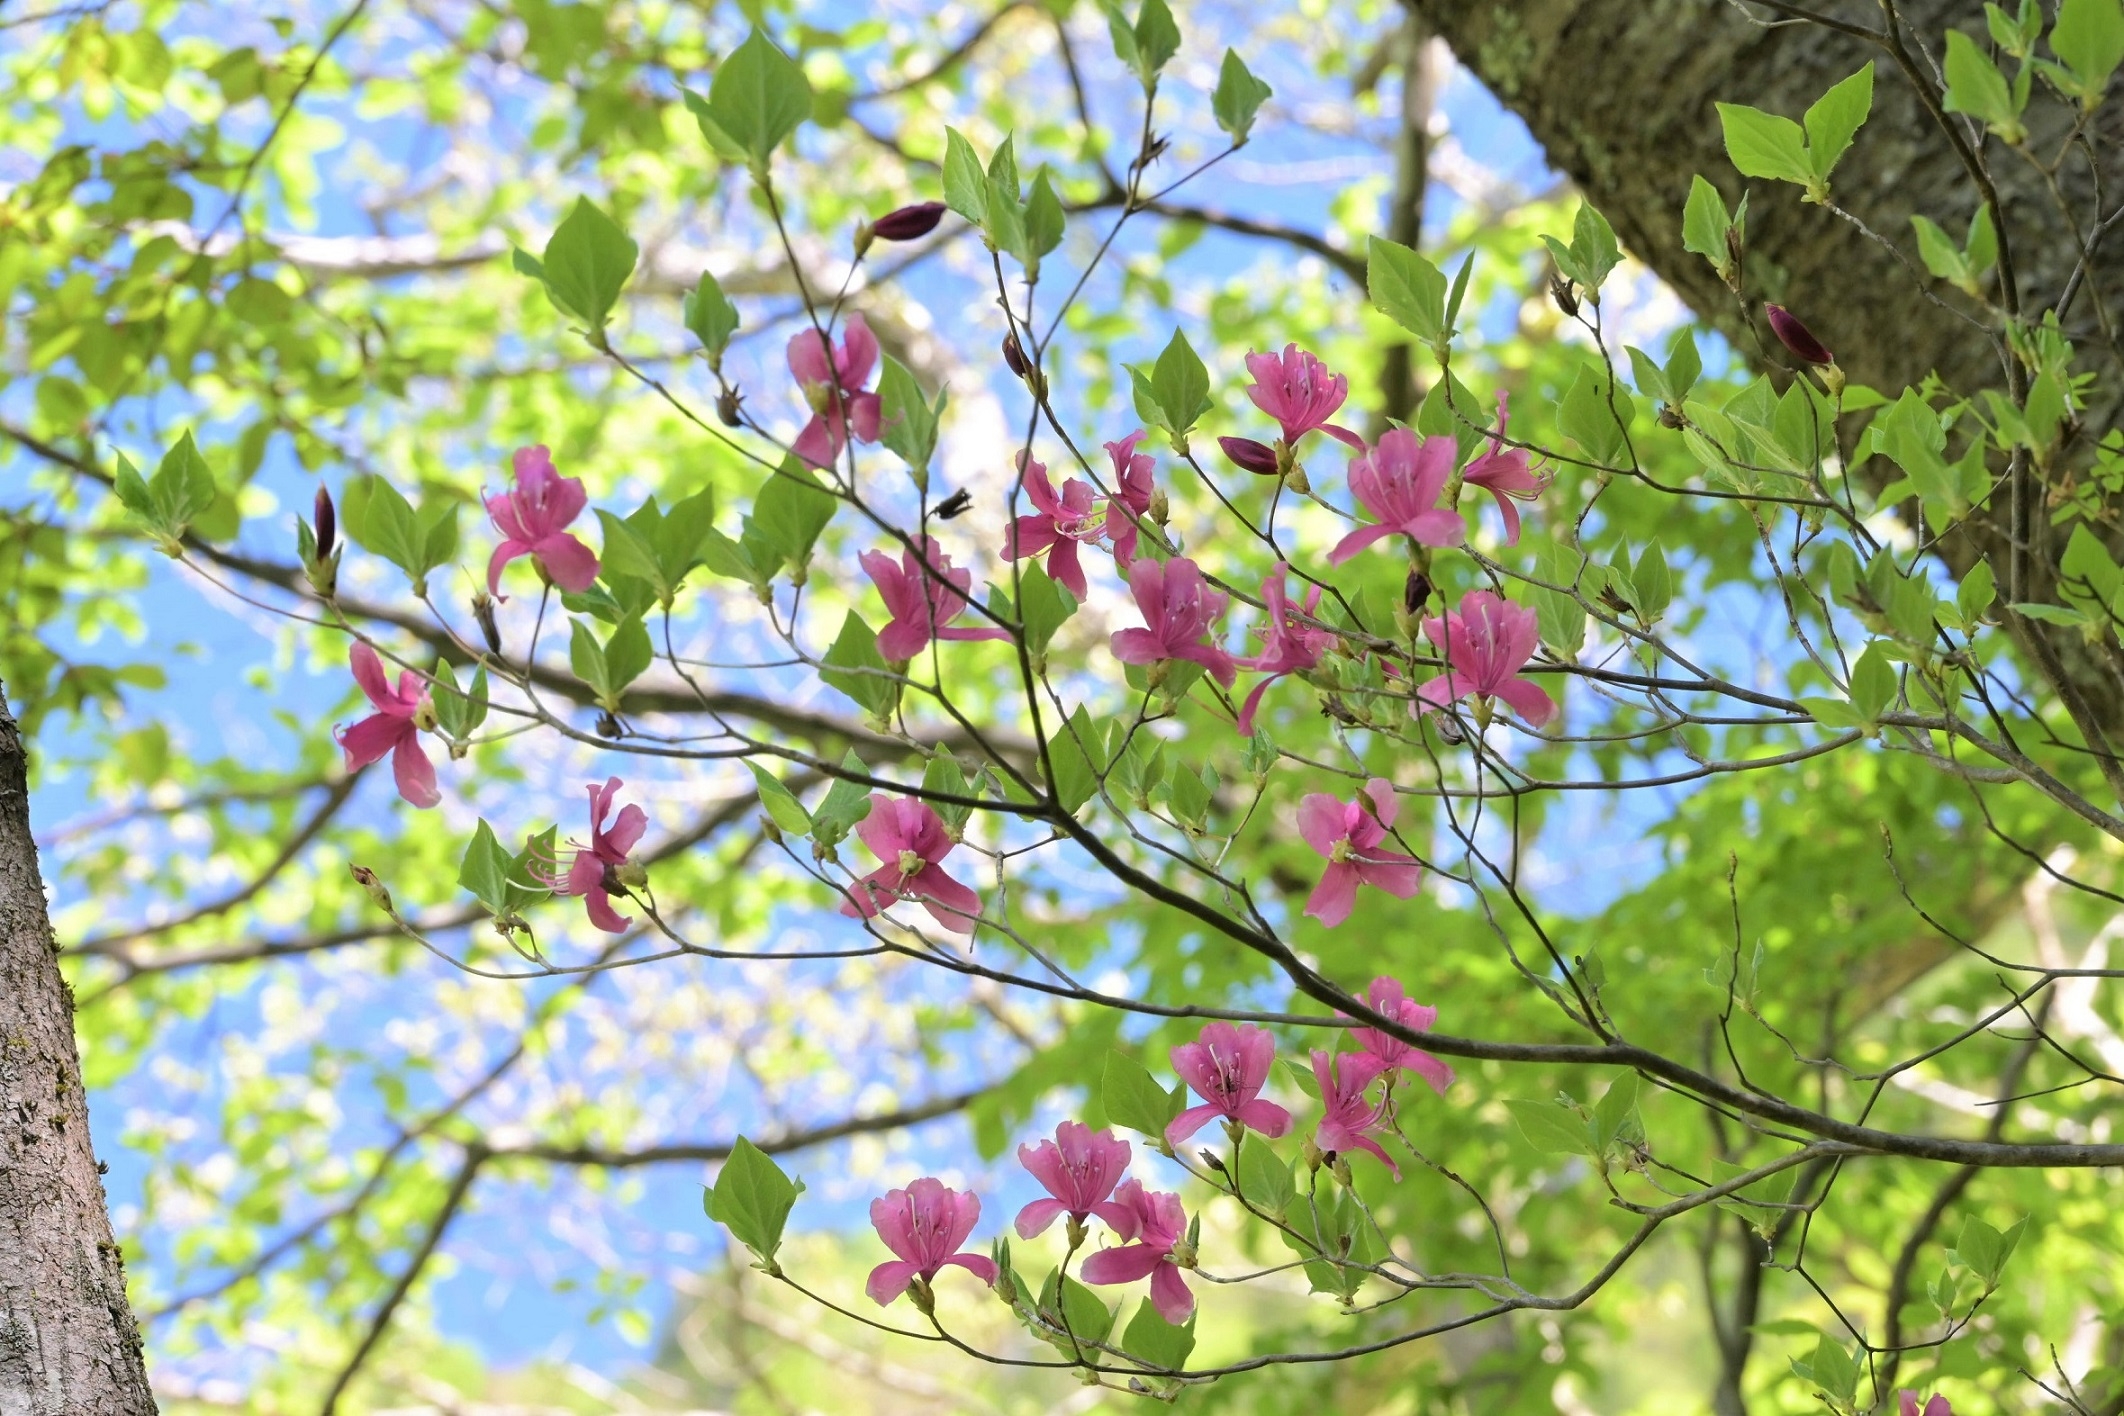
(910, 838)
(924, 1225)
(1079, 1167)
(1348, 833)
(1485, 647)
(1058, 521)
(1505, 474)
(922, 602)
(1906, 1402)
(833, 377)
(1131, 500)
(394, 727)
(1180, 611)
(1400, 482)
(1386, 998)
(1350, 1119)
(1288, 644)
(532, 519)
(594, 874)
(1227, 1066)
(1160, 1226)
(1297, 390)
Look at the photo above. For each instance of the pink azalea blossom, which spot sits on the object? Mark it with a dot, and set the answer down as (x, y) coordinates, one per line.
(909, 837)
(1160, 1226)
(1504, 473)
(594, 874)
(532, 520)
(1131, 501)
(924, 1225)
(1060, 522)
(394, 727)
(1350, 1118)
(1906, 1402)
(1400, 482)
(1080, 1168)
(1485, 646)
(1180, 612)
(1297, 390)
(1385, 996)
(833, 378)
(1288, 644)
(922, 602)
(1348, 833)
(1227, 1066)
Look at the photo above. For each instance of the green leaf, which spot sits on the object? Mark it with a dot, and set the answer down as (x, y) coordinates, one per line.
(1704, 224)
(1976, 87)
(1238, 97)
(1593, 244)
(438, 534)
(1134, 1099)
(1653, 582)
(1615, 1119)
(382, 522)
(1076, 771)
(965, 184)
(1835, 119)
(485, 870)
(1552, 1127)
(710, 317)
(1765, 144)
(1181, 386)
(628, 655)
(457, 713)
(780, 803)
(132, 490)
(586, 658)
(758, 97)
(1157, 40)
(1458, 420)
(2089, 39)
(907, 419)
(846, 803)
(791, 510)
(1833, 1370)
(1586, 418)
(1068, 1307)
(1976, 592)
(854, 666)
(1561, 617)
(627, 552)
(1981, 249)
(1043, 218)
(943, 774)
(1684, 366)
(1407, 289)
(1043, 607)
(1157, 1343)
(1873, 682)
(1940, 255)
(587, 263)
(753, 1198)
(183, 486)
(1265, 1179)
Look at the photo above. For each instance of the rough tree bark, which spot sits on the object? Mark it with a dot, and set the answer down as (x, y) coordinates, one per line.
(68, 1342)
(1620, 94)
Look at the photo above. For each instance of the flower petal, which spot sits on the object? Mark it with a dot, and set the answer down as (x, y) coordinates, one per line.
(413, 771)
(1035, 1218)
(1335, 896)
(1170, 1295)
(569, 563)
(889, 1280)
(1125, 1264)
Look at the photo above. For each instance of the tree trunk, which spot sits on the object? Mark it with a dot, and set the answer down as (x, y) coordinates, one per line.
(68, 1342)
(1620, 94)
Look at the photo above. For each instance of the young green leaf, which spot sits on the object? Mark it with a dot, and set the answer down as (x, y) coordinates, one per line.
(1976, 87)
(711, 318)
(752, 1199)
(1181, 385)
(1134, 1099)
(965, 183)
(485, 870)
(854, 666)
(586, 265)
(1552, 1127)
(1834, 120)
(1238, 97)
(1157, 1343)
(1765, 145)
(758, 97)
(1043, 607)
(1408, 290)
(780, 804)
(1873, 682)
(907, 419)
(1704, 225)
(2088, 39)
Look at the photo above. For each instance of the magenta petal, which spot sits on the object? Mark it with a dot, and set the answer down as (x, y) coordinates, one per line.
(1437, 527)
(864, 412)
(975, 1264)
(369, 674)
(817, 444)
(1335, 896)
(1123, 1265)
(1066, 569)
(414, 772)
(626, 832)
(1035, 1218)
(950, 903)
(1527, 700)
(859, 352)
(371, 739)
(1399, 875)
(1439, 1074)
(1119, 1218)
(1343, 435)
(1252, 705)
(1357, 541)
(1188, 1122)
(901, 640)
(809, 357)
(1265, 1117)
(569, 563)
(1366, 1143)
(889, 1280)
(1448, 687)
(873, 894)
(1170, 1295)
(504, 553)
(1136, 646)
(598, 905)
(1322, 821)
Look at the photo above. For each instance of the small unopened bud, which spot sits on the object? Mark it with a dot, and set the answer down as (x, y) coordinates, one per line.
(424, 716)
(1565, 296)
(1209, 1158)
(608, 726)
(1077, 1232)
(1340, 1165)
(327, 524)
(1160, 508)
(925, 1301)
(483, 611)
(908, 223)
(1183, 1254)
(1250, 456)
(730, 407)
(1736, 249)
(1795, 336)
(768, 830)
(1314, 1156)
(631, 874)
(1297, 481)
(1415, 591)
(1014, 355)
(366, 878)
(957, 504)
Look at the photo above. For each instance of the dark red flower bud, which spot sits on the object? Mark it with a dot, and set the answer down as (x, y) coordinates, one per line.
(1014, 355)
(327, 524)
(1250, 456)
(957, 504)
(1415, 591)
(909, 223)
(730, 407)
(1796, 336)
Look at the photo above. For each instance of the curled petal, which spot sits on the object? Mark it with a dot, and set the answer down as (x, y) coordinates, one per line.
(372, 739)
(980, 1266)
(1170, 1295)
(889, 1280)
(1266, 1118)
(1125, 1264)
(568, 562)
(1357, 541)
(413, 771)
(1035, 1218)
(598, 905)
(1335, 896)
(1527, 700)
(1188, 1122)
(507, 551)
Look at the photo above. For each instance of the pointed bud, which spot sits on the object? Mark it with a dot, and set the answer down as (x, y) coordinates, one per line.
(957, 504)
(1250, 456)
(1564, 295)
(729, 408)
(1014, 355)
(327, 523)
(1796, 336)
(909, 223)
(1415, 591)
(483, 611)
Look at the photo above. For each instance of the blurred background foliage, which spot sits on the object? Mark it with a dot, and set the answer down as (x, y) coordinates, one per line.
(287, 227)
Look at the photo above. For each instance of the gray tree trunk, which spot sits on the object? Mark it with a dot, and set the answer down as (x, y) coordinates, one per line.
(1620, 94)
(68, 1342)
